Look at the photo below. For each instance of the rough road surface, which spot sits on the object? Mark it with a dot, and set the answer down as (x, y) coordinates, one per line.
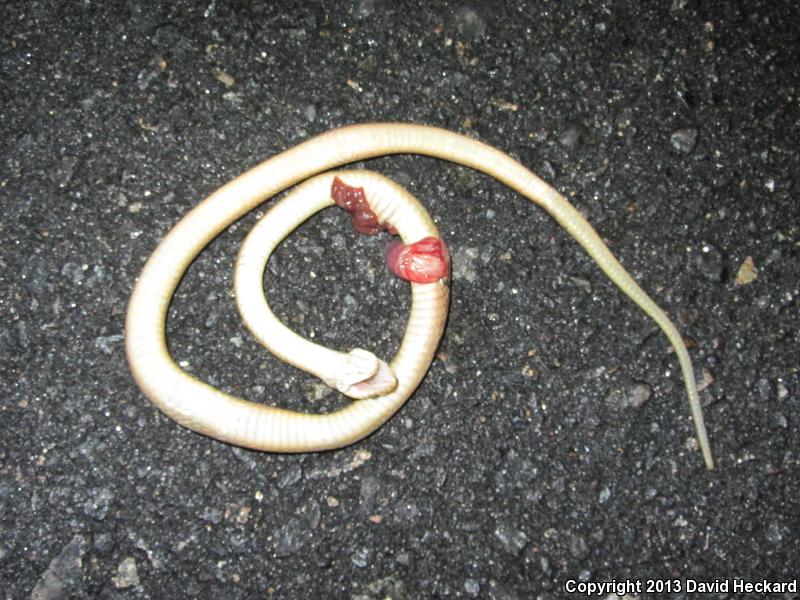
(550, 445)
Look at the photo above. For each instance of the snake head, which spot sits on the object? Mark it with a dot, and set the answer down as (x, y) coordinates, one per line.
(363, 375)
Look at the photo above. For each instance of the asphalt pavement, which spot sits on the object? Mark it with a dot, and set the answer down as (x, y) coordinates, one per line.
(549, 451)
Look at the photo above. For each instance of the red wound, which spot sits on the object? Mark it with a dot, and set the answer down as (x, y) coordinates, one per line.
(354, 200)
(425, 261)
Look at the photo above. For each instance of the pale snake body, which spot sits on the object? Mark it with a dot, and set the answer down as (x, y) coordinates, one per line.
(205, 409)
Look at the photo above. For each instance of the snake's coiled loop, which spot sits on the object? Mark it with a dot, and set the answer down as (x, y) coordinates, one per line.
(206, 409)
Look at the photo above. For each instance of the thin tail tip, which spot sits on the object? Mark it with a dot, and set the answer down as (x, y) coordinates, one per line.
(708, 457)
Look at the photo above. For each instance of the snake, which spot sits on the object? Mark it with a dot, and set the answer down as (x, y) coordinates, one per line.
(378, 389)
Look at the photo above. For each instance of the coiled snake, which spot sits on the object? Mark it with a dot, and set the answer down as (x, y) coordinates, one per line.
(380, 388)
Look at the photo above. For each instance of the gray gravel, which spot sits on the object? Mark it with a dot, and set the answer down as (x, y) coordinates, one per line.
(551, 439)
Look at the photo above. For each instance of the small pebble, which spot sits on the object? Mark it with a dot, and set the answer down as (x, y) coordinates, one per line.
(775, 533)
(370, 486)
(360, 558)
(364, 8)
(578, 547)
(766, 391)
(98, 505)
(639, 394)
(573, 136)
(472, 587)
(127, 574)
(289, 538)
(711, 263)
(469, 24)
(64, 168)
(747, 272)
(291, 476)
(103, 543)
(61, 578)
(513, 540)
(684, 140)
